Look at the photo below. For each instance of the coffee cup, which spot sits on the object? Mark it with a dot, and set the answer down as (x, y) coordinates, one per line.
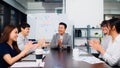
(39, 55)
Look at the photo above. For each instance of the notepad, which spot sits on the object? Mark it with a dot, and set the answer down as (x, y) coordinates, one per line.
(29, 58)
(88, 59)
(28, 64)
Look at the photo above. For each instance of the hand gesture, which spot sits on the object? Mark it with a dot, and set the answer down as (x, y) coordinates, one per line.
(41, 43)
(95, 44)
(60, 43)
(28, 47)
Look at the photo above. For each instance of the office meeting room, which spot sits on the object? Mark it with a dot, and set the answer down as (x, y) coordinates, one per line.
(59, 33)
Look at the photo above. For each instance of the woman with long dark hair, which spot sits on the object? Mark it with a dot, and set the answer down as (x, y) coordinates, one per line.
(9, 51)
(112, 54)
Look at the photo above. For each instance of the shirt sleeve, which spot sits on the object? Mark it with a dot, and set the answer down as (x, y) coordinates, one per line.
(112, 59)
(69, 42)
(53, 42)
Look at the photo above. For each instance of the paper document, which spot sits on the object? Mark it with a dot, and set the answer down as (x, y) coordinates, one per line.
(29, 57)
(82, 52)
(88, 59)
(28, 64)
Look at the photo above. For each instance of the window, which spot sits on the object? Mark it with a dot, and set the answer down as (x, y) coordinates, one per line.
(13, 17)
(110, 16)
(1, 9)
(58, 10)
(1, 17)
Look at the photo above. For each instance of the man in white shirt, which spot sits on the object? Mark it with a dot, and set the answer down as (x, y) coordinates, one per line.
(22, 36)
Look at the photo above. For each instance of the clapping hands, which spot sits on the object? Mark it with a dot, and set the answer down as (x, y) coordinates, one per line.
(96, 45)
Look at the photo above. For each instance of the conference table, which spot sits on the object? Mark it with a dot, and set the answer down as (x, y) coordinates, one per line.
(64, 59)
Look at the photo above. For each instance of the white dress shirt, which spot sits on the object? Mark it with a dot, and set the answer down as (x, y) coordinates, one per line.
(105, 41)
(112, 54)
(66, 40)
(61, 38)
(21, 41)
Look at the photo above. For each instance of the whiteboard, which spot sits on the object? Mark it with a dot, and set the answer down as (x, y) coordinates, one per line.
(45, 25)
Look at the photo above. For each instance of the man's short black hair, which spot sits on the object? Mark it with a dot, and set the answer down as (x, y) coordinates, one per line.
(104, 23)
(24, 25)
(62, 23)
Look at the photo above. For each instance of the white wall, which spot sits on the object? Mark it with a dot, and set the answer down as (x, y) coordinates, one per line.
(85, 12)
(45, 25)
(16, 5)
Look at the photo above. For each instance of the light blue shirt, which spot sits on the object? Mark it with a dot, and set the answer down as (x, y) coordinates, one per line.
(21, 41)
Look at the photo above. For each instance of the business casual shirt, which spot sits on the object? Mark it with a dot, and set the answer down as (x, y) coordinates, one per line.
(105, 41)
(21, 41)
(112, 54)
(61, 37)
(6, 49)
(66, 40)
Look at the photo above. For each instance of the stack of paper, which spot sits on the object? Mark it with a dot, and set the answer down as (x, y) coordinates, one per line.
(28, 64)
(29, 58)
(82, 52)
(88, 59)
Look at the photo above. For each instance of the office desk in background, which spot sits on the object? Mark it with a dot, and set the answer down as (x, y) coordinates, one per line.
(64, 59)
